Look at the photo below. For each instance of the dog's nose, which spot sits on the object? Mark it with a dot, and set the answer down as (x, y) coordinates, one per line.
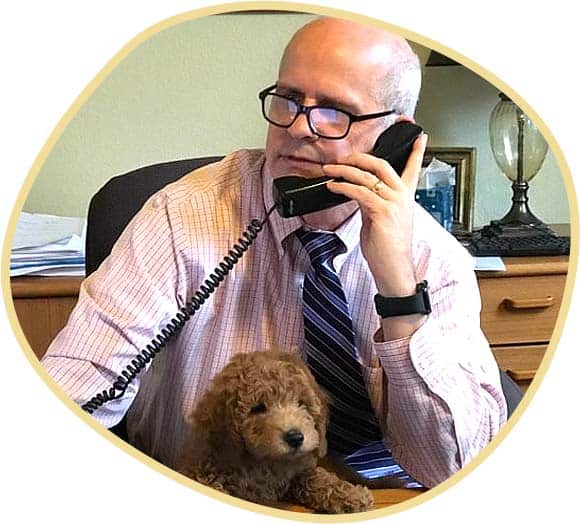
(294, 438)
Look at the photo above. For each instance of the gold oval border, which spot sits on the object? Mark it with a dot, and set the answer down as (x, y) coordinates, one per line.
(308, 9)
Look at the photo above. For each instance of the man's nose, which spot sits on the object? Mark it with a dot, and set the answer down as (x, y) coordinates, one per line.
(300, 128)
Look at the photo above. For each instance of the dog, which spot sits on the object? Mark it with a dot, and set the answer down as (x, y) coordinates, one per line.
(259, 432)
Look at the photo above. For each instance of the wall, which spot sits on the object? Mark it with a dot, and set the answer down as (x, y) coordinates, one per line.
(191, 91)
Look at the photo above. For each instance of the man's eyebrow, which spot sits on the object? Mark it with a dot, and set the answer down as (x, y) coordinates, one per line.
(285, 90)
(338, 104)
(322, 100)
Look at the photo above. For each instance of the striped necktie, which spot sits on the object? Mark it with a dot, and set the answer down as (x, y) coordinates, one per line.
(331, 354)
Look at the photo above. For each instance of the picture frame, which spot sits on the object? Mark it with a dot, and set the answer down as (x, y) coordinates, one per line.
(463, 160)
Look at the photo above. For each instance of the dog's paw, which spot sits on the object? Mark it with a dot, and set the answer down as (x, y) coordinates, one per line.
(351, 499)
(361, 499)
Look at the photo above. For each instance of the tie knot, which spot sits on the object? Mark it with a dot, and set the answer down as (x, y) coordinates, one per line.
(321, 247)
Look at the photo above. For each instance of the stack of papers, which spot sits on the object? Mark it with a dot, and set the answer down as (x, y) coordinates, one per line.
(48, 245)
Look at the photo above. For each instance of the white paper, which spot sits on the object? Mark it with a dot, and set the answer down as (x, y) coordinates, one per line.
(489, 264)
(35, 229)
(48, 245)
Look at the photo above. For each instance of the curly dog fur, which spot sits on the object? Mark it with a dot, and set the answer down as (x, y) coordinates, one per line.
(258, 433)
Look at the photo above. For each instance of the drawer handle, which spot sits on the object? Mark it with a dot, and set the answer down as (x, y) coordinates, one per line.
(529, 303)
(527, 374)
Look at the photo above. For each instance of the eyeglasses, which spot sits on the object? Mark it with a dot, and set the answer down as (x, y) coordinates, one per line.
(323, 121)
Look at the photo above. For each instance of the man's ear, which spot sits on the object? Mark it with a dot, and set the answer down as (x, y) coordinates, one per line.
(404, 118)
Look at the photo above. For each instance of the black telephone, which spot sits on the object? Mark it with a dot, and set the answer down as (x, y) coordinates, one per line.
(293, 196)
(296, 195)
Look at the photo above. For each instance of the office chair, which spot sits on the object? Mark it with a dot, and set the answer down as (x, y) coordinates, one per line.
(115, 204)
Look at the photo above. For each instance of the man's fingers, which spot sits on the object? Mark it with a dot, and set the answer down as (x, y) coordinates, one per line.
(410, 175)
(368, 168)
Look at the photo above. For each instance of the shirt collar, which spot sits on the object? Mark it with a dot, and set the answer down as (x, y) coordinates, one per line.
(349, 231)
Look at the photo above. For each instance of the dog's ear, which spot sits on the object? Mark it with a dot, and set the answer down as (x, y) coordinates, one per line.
(321, 421)
(214, 423)
(207, 424)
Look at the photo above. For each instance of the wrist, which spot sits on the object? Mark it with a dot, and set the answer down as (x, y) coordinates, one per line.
(399, 328)
(414, 303)
(399, 286)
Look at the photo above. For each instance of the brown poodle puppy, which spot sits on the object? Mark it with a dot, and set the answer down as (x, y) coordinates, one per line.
(258, 433)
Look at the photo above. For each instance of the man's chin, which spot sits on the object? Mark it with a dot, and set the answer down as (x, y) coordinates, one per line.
(331, 218)
(286, 167)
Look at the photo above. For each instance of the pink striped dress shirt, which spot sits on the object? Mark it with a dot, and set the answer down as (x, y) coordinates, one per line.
(437, 394)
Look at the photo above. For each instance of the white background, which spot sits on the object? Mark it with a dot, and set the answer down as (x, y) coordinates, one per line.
(56, 469)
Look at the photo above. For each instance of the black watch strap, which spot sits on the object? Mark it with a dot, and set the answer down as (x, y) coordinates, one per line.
(398, 306)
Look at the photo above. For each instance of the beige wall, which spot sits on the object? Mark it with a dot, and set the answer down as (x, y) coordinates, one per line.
(191, 91)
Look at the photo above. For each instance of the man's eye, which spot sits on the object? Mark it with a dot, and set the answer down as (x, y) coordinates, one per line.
(294, 99)
(333, 108)
(258, 408)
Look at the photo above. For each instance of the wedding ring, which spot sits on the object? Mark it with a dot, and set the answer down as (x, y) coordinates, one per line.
(377, 187)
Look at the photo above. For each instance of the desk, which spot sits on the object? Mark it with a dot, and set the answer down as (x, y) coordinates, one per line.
(43, 305)
(519, 309)
(383, 499)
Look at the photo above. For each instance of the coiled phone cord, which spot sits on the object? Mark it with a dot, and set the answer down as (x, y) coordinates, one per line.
(171, 329)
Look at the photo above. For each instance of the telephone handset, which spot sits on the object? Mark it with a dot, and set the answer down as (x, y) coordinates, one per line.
(293, 196)
(296, 195)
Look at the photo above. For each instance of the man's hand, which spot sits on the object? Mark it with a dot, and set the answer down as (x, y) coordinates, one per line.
(386, 202)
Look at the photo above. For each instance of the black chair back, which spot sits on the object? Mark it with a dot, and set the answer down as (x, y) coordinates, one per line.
(117, 202)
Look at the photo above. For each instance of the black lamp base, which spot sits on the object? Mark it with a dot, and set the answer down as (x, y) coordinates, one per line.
(520, 213)
(518, 233)
(508, 230)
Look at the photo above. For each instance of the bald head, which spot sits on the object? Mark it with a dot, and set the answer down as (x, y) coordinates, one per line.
(389, 69)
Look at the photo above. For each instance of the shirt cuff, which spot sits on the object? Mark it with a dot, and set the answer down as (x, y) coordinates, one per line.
(416, 358)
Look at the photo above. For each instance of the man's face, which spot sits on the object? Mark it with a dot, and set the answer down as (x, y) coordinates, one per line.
(314, 77)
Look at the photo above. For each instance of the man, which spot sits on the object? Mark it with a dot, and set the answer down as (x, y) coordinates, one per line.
(430, 376)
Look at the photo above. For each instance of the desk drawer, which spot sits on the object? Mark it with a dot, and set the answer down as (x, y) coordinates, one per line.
(41, 319)
(520, 309)
(520, 362)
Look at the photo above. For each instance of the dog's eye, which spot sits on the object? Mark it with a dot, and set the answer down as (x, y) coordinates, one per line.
(258, 408)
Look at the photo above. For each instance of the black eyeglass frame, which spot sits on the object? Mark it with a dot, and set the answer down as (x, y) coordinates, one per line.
(308, 109)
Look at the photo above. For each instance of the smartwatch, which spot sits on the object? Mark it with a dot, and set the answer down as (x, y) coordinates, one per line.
(398, 306)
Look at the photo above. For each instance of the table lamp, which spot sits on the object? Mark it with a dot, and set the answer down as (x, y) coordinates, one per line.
(519, 150)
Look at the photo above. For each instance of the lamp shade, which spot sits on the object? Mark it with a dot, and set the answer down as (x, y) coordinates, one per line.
(518, 146)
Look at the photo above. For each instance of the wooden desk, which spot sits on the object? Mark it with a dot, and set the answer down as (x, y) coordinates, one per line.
(383, 499)
(519, 309)
(43, 305)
